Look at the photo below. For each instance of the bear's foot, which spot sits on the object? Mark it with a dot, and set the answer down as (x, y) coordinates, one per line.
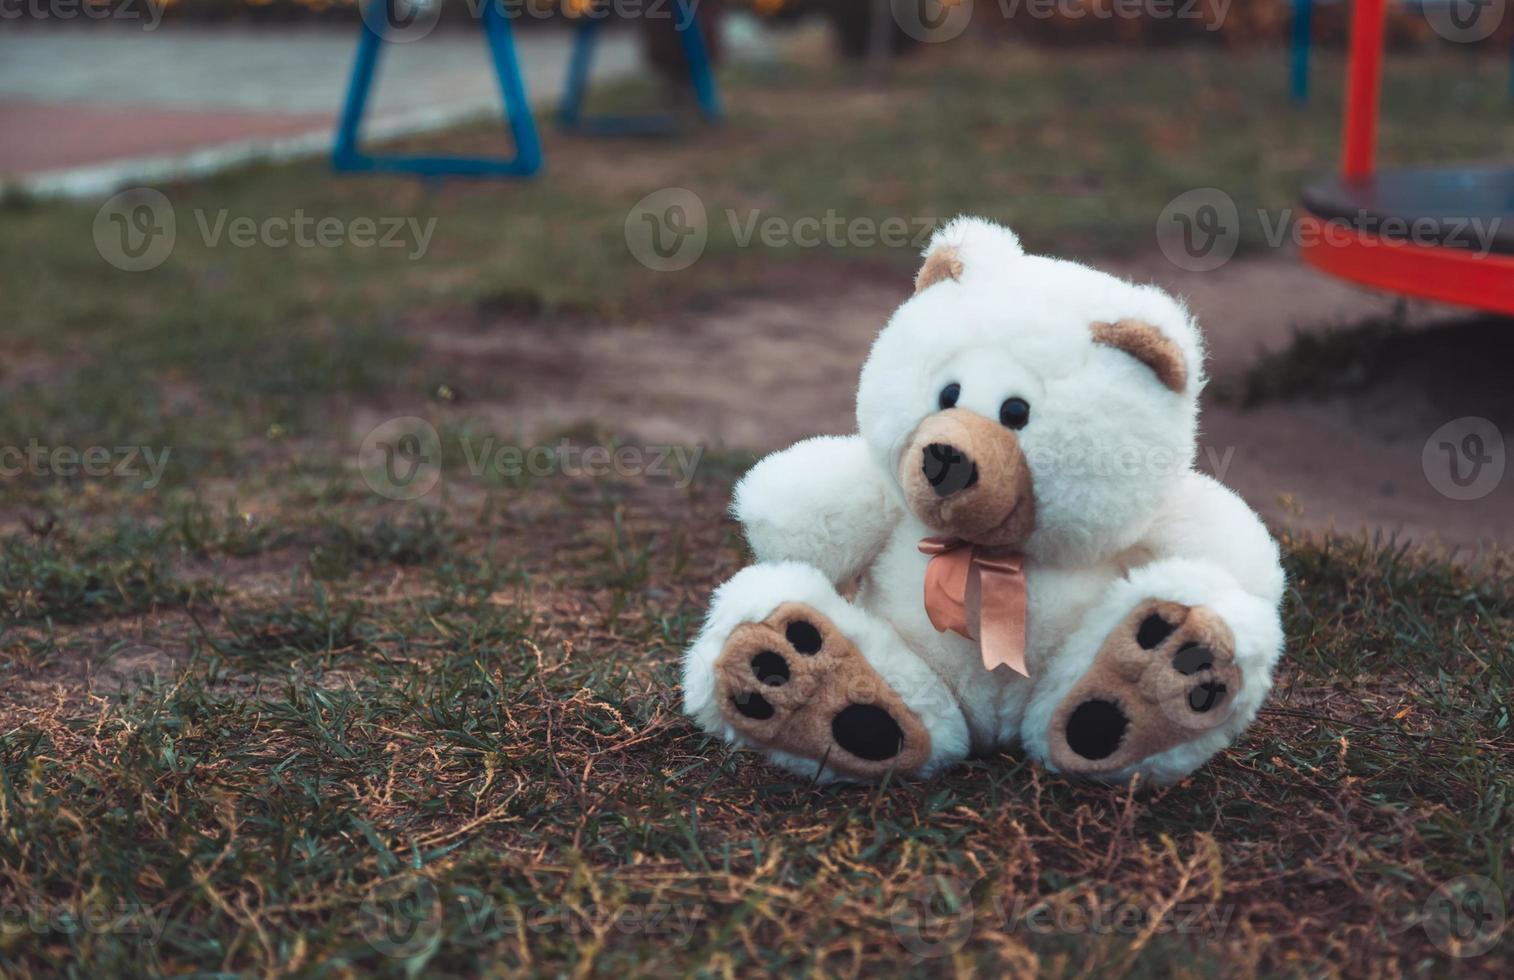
(793, 683)
(1165, 676)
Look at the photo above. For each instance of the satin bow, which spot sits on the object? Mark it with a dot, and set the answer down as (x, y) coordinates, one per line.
(978, 593)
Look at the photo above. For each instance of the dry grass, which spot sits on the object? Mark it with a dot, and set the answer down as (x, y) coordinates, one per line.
(466, 754)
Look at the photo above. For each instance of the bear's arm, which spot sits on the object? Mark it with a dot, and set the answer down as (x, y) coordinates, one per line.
(823, 501)
(1205, 520)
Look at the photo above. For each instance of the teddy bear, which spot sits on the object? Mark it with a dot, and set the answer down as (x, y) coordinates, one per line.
(1014, 548)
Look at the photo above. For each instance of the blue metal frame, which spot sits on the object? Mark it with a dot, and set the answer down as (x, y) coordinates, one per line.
(570, 112)
(501, 40)
(1303, 36)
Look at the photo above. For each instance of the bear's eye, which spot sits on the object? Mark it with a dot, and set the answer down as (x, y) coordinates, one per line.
(1014, 413)
(949, 395)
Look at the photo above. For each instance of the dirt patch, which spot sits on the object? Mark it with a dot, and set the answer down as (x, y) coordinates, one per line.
(757, 372)
(760, 372)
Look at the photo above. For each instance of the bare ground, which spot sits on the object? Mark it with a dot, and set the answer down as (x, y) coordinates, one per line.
(761, 371)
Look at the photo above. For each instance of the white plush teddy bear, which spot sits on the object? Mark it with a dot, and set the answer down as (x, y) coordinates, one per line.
(1033, 557)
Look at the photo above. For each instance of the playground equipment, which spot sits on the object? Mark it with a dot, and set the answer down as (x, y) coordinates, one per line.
(570, 112)
(1302, 37)
(1438, 233)
(380, 17)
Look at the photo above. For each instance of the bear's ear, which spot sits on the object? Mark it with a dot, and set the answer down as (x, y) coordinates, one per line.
(1148, 345)
(963, 244)
(942, 262)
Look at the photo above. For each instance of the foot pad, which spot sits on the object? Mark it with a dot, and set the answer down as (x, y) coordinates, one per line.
(1164, 677)
(794, 684)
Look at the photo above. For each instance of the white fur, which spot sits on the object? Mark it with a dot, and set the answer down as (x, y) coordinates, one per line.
(1121, 516)
(827, 485)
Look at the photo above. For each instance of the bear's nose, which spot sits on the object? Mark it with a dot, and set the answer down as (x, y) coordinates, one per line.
(947, 469)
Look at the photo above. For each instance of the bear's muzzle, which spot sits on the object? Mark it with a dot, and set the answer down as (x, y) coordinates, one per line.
(966, 477)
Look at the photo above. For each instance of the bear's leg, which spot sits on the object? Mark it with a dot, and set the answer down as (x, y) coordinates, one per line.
(1166, 671)
(784, 664)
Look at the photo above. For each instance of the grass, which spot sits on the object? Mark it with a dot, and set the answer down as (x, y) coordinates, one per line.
(475, 761)
(258, 720)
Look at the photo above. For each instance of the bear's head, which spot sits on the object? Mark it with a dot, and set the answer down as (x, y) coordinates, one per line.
(1031, 403)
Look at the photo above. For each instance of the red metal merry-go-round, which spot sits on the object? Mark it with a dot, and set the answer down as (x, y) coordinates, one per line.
(1437, 233)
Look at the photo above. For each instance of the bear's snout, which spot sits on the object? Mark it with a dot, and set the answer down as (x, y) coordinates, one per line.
(948, 469)
(966, 476)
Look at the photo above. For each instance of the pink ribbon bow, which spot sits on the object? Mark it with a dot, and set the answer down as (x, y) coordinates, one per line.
(980, 594)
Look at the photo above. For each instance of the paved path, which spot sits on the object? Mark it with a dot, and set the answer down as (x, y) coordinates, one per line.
(85, 111)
